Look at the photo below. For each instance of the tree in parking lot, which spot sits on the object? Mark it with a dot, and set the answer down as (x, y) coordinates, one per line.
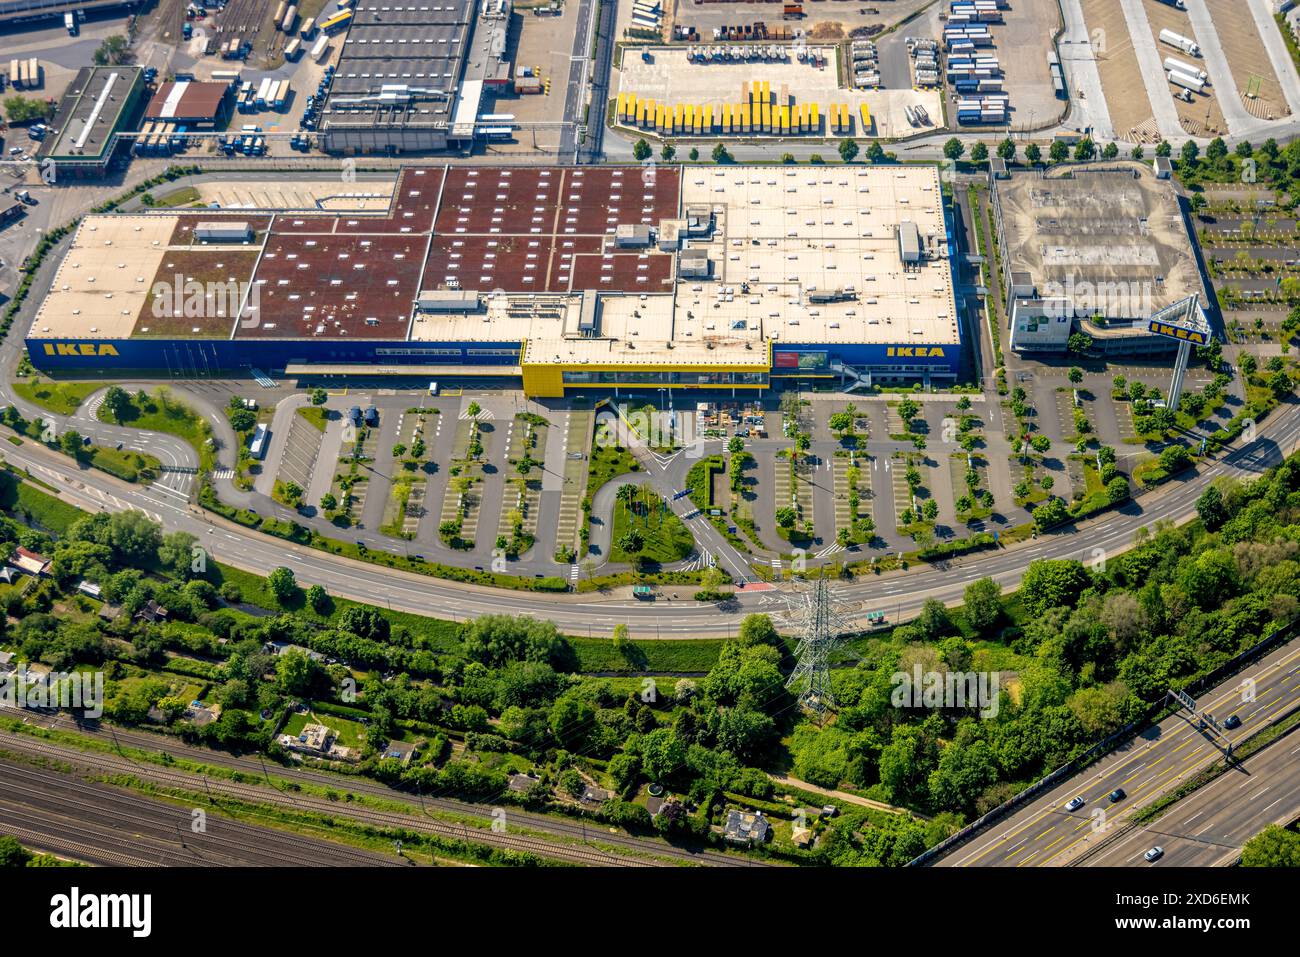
(241, 419)
(641, 151)
(473, 410)
(319, 396)
(786, 516)
(1075, 375)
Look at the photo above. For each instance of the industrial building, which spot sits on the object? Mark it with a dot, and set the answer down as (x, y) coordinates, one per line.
(101, 102)
(196, 105)
(731, 277)
(413, 78)
(1095, 249)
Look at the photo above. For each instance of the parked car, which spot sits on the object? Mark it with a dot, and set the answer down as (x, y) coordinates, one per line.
(372, 416)
(354, 415)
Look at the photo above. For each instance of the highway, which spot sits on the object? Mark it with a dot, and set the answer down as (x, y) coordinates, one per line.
(1208, 827)
(98, 824)
(1045, 833)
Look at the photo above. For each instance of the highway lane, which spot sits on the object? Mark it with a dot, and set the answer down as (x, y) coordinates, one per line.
(1044, 833)
(1208, 827)
(899, 594)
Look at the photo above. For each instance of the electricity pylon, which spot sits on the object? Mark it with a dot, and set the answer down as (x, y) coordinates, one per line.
(821, 632)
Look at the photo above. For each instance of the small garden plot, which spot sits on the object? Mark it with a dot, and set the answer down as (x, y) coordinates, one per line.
(852, 488)
(63, 398)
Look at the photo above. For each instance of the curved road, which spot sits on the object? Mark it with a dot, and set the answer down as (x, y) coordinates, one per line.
(899, 594)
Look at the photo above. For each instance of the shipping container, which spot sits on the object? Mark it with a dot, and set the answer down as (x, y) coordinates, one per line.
(1173, 63)
(1193, 83)
(1183, 43)
(293, 50)
(282, 6)
(321, 48)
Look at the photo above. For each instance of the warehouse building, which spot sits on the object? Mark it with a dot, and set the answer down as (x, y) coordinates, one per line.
(195, 105)
(736, 278)
(100, 103)
(1098, 250)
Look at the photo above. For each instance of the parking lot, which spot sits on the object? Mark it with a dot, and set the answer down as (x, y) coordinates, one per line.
(821, 20)
(669, 77)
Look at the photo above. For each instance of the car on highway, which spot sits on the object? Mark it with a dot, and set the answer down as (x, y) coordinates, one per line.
(1074, 804)
(1232, 721)
(1117, 795)
(1154, 854)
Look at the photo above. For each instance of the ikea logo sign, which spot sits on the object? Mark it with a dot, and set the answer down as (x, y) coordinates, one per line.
(914, 352)
(1177, 332)
(80, 349)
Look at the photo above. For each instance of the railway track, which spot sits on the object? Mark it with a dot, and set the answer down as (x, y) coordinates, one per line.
(40, 839)
(224, 842)
(217, 787)
(560, 827)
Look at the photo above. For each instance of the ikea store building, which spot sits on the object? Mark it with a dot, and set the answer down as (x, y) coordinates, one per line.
(727, 277)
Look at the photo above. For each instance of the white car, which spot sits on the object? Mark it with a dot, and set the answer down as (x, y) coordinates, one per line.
(1154, 854)
(1074, 804)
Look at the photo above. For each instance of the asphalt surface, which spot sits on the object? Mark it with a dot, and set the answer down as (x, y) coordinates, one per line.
(1044, 833)
(899, 594)
(1208, 827)
(103, 825)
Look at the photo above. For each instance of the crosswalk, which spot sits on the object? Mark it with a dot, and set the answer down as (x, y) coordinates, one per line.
(700, 561)
(829, 550)
(483, 415)
(262, 379)
(573, 573)
(222, 474)
(776, 566)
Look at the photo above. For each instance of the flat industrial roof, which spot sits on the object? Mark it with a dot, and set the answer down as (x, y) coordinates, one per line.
(532, 243)
(90, 112)
(423, 48)
(1082, 232)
